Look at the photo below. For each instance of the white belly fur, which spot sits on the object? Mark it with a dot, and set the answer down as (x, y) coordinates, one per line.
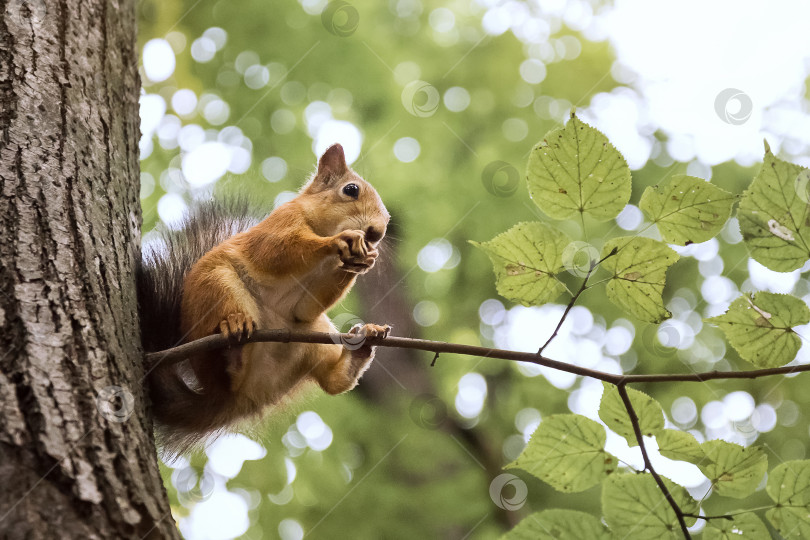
(273, 370)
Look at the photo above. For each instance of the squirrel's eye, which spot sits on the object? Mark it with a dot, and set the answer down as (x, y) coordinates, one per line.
(352, 190)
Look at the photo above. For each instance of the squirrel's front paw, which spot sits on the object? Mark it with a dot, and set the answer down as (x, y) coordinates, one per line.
(355, 254)
(237, 326)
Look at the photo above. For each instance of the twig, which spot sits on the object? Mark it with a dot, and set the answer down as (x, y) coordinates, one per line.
(582, 288)
(433, 363)
(567, 309)
(631, 412)
(216, 341)
(729, 517)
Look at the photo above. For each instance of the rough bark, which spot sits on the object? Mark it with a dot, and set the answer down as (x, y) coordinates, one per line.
(77, 459)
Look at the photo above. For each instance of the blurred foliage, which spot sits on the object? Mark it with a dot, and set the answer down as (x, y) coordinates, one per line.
(385, 475)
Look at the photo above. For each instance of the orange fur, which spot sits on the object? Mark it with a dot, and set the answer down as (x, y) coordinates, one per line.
(285, 272)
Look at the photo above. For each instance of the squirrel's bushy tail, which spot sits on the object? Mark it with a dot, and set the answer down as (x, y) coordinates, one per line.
(181, 414)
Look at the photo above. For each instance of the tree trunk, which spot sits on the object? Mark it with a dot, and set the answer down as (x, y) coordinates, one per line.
(77, 459)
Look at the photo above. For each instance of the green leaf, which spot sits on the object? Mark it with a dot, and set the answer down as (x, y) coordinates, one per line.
(635, 508)
(734, 471)
(679, 445)
(525, 259)
(639, 272)
(614, 415)
(687, 209)
(559, 525)
(774, 217)
(789, 487)
(759, 327)
(745, 526)
(575, 169)
(567, 451)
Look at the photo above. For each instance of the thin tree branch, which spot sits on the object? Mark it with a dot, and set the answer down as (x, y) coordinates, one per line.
(565, 314)
(217, 341)
(729, 517)
(575, 297)
(631, 412)
(567, 310)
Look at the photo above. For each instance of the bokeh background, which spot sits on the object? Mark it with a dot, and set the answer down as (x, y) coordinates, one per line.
(438, 105)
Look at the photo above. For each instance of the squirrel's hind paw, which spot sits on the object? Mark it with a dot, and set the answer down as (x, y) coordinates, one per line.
(371, 330)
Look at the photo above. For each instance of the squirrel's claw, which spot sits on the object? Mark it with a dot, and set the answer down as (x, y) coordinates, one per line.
(237, 327)
(355, 253)
(371, 330)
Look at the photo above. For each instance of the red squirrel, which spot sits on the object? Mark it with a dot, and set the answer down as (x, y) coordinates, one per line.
(213, 276)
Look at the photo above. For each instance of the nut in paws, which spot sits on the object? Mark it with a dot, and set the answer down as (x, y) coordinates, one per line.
(355, 254)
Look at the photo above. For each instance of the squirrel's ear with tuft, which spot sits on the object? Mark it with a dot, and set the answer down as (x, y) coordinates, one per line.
(332, 163)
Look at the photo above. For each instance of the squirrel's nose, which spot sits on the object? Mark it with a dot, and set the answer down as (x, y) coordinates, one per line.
(374, 234)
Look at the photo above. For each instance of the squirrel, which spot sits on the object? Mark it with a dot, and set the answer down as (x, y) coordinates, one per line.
(219, 274)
